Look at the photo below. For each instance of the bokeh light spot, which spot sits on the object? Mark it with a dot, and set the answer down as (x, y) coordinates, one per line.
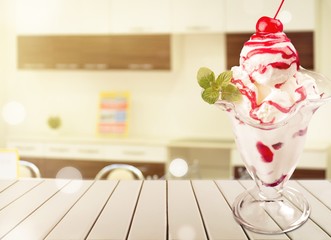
(70, 173)
(285, 16)
(13, 113)
(178, 167)
(186, 232)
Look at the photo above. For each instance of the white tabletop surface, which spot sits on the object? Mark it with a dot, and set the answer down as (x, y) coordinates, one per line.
(142, 210)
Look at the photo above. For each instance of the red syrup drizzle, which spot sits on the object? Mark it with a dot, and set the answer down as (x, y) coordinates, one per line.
(266, 154)
(300, 133)
(286, 53)
(279, 85)
(277, 146)
(258, 39)
(275, 183)
(266, 48)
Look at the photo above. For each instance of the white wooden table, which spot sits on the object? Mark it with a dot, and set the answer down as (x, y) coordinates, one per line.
(142, 210)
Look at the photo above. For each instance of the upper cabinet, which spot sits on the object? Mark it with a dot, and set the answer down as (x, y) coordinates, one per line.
(62, 16)
(189, 16)
(296, 15)
(94, 52)
(157, 16)
(139, 16)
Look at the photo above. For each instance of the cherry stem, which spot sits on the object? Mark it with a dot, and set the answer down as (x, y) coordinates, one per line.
(280, 6)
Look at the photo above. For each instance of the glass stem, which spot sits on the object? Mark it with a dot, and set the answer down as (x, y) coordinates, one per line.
(270, 193)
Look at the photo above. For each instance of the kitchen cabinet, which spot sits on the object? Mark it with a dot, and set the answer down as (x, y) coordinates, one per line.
(157, 16)
(89, 158)
(94, 52)
(206, 159)
(242, 15)
(196, 16)
(143, 16)
(50, 167)
(62, 16)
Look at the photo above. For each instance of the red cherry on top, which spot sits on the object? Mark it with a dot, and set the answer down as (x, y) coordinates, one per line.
(268, 25)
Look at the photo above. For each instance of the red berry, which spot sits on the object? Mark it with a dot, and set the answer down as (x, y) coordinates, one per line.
(268, 25)
(266, 154)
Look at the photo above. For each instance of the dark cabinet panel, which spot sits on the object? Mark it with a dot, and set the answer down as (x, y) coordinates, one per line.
(49, 168)
(94, 52)
(299, 173)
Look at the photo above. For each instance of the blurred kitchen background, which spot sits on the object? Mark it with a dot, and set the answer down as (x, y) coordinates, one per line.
(57, 58)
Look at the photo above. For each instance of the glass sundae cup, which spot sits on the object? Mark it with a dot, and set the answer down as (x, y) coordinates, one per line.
(271, 152)
(270, 100)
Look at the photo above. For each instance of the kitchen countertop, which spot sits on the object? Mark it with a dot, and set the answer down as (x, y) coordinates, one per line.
(91, 139)
(146, 140)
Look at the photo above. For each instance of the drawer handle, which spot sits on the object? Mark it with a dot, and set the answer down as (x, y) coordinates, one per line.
(89, 151)
(55, 149)
(26, 148)
(138, 66)
(133, 153)
(197, 28)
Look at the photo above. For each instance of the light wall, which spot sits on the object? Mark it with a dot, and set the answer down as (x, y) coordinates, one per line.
(320, 130)
(7, 58)
(164, 104)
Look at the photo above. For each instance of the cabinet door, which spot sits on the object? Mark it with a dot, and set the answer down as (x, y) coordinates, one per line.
(242, 15)
(94, 52)
(62, 16)
(198, 16)
(143, 16)
(298, 15)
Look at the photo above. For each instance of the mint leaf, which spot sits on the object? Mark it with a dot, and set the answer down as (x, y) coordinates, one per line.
(213, 88)
(224, 78)
(230, 93)
(210, 95)
(205, 77)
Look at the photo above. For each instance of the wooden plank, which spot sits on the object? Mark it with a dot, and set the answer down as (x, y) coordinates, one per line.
(150, 219)
(320, 189)
(78, 222)
(320, 214)
(15, 191)
(231, 189)
(184, 219)
(43, 220)
(25, 205)
(115, 219)
(214, 209)
(307, 231)
(5, 184)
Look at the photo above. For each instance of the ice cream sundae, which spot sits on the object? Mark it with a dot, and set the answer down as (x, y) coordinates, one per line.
(270, 100)
(267, 88)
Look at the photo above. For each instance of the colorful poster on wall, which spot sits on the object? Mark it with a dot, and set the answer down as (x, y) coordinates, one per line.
(113, 113)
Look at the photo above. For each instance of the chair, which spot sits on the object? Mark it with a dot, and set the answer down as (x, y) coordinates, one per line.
(120, 171)
(28, 169)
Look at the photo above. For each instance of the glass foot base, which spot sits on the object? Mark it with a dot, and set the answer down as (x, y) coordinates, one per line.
(271, 216)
